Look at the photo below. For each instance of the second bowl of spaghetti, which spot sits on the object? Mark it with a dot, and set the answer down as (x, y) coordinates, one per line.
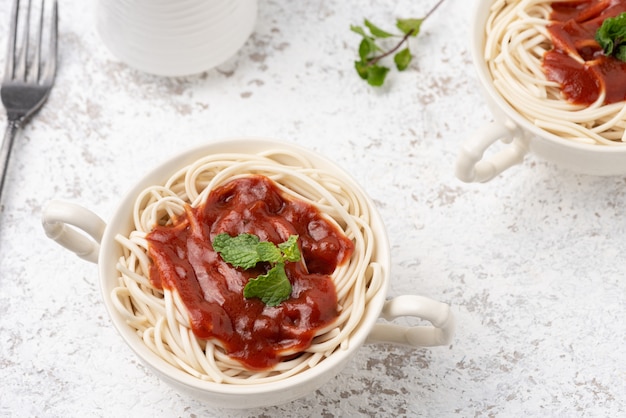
(246, 272)
(552, 89)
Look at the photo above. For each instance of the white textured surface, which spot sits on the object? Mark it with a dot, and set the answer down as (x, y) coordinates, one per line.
(533, 262)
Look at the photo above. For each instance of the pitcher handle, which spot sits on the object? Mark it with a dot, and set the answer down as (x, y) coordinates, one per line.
(440, 331)
(59, 219)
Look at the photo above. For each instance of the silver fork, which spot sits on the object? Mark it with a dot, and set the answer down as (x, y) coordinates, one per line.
(28, 78)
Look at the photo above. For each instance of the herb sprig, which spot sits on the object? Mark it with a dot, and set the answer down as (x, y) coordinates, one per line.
(246, 250)
(612, 36)
(371, 53)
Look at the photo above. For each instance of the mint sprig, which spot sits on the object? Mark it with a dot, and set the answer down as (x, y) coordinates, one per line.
(611, 36)
(272, 288)
(247, 250)
(371, 53)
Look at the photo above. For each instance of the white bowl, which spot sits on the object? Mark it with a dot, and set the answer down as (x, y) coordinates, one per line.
(519, 133)
(103, 249)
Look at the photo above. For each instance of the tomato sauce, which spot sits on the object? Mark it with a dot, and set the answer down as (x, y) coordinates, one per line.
(573, 33)
(257, 335)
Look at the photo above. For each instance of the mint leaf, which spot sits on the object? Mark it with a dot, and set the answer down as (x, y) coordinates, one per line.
(272, 288)
(376, 31)
(359, 30)
(409, 25)
(611, 36)
(240, 251)
(361, 69)
(365, 48)
(403, 59)
(376, 75)
(266, 251)
(290, 249)
(620, 53)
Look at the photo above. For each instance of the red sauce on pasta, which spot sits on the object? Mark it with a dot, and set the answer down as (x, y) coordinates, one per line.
(573, 34)
(257, 335)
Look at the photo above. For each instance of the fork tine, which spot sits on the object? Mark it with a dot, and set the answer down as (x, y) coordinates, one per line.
(51, 62)
(10, 64)
(33, 70)
(20, 70)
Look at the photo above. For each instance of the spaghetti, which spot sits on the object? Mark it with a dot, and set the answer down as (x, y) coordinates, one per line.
(160, 317)
(517, 39)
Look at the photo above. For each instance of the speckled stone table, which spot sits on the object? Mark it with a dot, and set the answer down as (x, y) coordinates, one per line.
(532, 263)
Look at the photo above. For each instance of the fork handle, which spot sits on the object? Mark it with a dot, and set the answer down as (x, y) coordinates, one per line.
(9, 137)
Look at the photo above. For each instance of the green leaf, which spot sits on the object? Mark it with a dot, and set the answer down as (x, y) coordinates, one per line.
(240, 251)
(611, 36)
(376, 75)
(362, 69)
(403, 59)
(365, 47)
(621, 53)
(267, 251)
(408, 25)
(376, 31)
(359, 30)
(272, 288)
(290, 249)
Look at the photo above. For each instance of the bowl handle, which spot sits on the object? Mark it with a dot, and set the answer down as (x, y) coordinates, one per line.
(470, 164)
(437, 313)
(58, 216)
